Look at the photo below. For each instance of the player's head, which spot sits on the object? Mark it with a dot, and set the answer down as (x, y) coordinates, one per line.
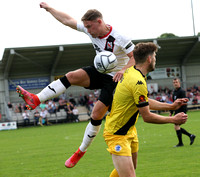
(176, 83)
(92, 15)
(146, 53)
(93, 21)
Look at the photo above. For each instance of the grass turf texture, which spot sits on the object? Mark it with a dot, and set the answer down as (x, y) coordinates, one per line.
(42, 151)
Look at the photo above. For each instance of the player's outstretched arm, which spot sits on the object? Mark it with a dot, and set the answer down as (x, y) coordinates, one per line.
(179, 102)
(60, 16)
(150, 117)
(156, 105)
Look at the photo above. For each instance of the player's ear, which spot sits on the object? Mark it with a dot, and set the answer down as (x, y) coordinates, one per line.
(99, 21)
(149, 59)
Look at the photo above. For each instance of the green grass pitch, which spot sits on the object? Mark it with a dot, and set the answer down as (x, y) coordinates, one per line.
(42, 151)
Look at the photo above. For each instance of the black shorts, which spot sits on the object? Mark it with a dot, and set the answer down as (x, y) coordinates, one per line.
(101, 81)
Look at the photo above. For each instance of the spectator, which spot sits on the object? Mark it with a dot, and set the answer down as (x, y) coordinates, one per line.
(63, 96)
(62, 104)
(75, 114)
(169, 99)
(86, 98)
(81, 100)
(36, 117)
(20, 107)
(198, 88)
(43, 105)
(24, 107)
(195, 87)
(51, 108)
(71, 99)
(56, 99)
(25, 115)
(195, 100)
(158, 97)
(54, 107)
(90, 103)
(96, 93)
(189, 95)
(163, 97)
(43, 117)
(17, 109)
(160, 89)
(10, 105)
(69, 112)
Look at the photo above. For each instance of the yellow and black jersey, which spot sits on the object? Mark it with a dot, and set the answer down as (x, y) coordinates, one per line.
(131, 93)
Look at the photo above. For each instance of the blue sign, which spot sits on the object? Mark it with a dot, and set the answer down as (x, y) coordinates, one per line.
(29, 83)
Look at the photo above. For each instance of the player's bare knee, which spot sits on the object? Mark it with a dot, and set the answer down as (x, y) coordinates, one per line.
(70, 75)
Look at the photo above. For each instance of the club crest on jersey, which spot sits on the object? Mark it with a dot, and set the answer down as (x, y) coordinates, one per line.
(109, 45)
(118, 148)
(142, 99)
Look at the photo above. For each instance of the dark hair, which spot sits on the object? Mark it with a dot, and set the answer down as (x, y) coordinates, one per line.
(176, 79)
(142, 50)
(91, 15)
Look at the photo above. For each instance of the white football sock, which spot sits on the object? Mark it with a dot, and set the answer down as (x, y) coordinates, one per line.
(90, 132)
(54, 89)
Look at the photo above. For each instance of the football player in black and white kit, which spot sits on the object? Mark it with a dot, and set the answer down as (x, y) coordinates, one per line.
(104, 38)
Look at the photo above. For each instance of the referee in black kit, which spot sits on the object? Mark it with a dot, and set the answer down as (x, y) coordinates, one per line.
(180, 93)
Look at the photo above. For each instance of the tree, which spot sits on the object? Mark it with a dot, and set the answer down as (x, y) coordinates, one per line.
(167, 35)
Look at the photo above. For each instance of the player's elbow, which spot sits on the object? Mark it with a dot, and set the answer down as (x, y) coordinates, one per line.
(145, 113)
(146, 118)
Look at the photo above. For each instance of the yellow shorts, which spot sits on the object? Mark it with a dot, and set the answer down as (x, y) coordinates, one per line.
(122, 145)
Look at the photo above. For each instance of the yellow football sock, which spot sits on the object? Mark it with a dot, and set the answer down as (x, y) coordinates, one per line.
(114, 173)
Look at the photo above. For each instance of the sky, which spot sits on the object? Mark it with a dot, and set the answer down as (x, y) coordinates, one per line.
(25, 24)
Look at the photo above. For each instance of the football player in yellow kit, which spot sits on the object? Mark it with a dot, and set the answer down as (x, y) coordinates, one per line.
(130, 99)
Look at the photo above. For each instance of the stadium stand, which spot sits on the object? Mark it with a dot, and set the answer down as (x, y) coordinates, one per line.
(58, 117)
(46, 63)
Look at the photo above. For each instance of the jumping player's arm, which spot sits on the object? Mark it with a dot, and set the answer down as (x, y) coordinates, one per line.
(60, 16)
(120, 73)
(156, 105)
(150, 117)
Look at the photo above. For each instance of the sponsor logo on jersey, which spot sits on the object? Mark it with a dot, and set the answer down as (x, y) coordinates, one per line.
(140, 83)
(118, 148)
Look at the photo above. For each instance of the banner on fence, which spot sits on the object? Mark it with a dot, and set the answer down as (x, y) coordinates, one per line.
(29, 83)
(8, 125)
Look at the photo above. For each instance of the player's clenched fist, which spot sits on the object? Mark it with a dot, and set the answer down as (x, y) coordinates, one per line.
(180, 118)
(44, 5)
